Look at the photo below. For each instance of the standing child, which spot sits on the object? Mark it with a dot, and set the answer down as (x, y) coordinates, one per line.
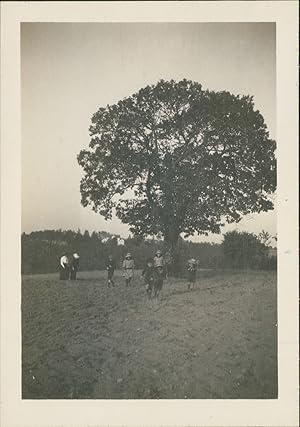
(191, 270)
(159, 266)
(148, 275)
(110, 267)
(128, 267)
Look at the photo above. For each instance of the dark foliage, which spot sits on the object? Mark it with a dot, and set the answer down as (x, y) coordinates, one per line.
(246, 250)
(190, 158)
(41, 250)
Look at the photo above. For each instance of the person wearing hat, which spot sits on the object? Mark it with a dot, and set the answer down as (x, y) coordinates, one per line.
(64, 267)
(191, 270)
(128, 268)
(159, 266)
(158, 259)
(74, 265)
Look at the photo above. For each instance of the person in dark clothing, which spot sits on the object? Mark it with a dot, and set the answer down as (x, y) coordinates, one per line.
(74, 265)
(148, 275)
(110, 267)
(64, 267)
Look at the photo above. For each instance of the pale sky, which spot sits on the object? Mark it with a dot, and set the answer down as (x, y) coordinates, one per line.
(69, 70)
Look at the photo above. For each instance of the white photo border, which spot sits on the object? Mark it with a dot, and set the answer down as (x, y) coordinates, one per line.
(283, 411)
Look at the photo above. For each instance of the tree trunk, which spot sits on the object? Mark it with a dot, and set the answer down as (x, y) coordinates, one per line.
(171, 245)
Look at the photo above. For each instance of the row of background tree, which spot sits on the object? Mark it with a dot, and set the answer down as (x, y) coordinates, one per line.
(41, 250)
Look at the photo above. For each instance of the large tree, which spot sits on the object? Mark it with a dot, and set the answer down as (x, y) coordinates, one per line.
(192, 159)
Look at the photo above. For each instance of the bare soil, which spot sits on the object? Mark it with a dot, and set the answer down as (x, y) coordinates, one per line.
(83, 340)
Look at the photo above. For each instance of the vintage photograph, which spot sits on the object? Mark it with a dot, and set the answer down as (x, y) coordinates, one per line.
(149, 216)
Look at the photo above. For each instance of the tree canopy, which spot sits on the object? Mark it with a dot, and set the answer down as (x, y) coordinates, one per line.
(176, 159)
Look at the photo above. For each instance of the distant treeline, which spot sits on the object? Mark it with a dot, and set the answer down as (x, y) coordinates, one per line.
(41, 251)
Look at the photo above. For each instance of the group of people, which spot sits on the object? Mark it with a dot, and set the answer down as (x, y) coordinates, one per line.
(153, 274)
(68, 266)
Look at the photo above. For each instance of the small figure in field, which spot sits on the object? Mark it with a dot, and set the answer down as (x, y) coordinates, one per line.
(64, 267)
(148, 275)
(110, 267)
(191, 272)
(128, 268)
(74, 265)
(159, 267)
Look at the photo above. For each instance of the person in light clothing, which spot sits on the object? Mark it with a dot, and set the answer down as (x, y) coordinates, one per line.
(128, 269)
(158, 260)
(191, 270)
(159, 266)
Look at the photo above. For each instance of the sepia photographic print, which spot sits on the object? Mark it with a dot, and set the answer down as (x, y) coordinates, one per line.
(149, 205)
(140, 143)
